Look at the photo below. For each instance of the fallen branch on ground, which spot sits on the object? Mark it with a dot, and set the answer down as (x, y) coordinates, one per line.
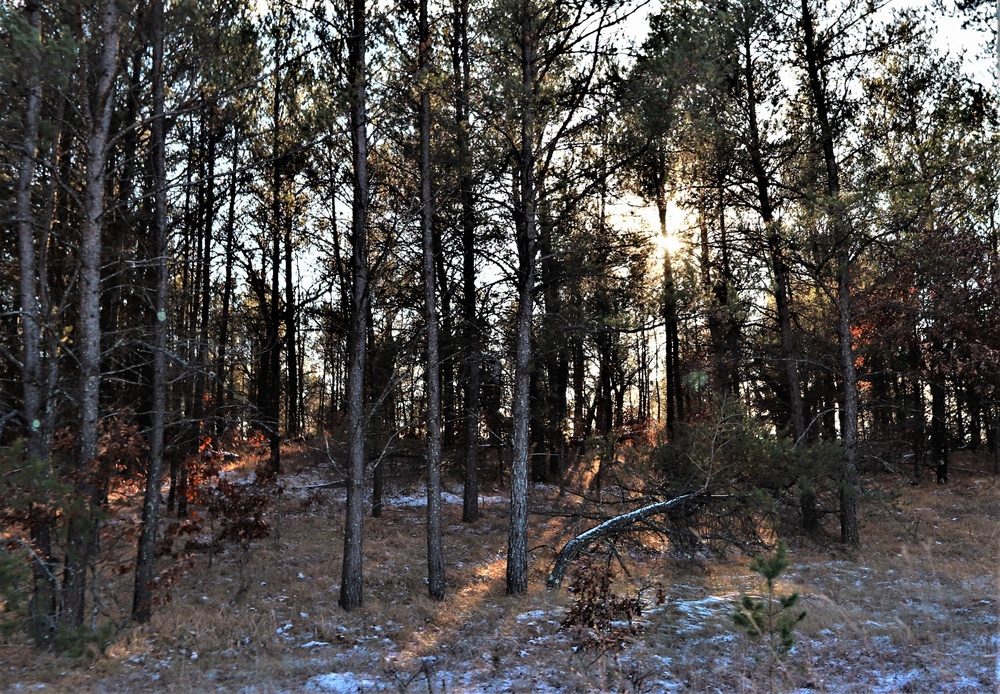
(609, 528)
(325, 485)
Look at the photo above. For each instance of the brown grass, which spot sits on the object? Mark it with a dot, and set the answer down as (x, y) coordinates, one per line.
(914, 610)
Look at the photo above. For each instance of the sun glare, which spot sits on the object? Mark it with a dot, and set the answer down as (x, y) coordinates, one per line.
(639, 215)
(670, 243)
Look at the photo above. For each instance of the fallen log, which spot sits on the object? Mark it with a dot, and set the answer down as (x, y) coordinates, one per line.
(609, 528)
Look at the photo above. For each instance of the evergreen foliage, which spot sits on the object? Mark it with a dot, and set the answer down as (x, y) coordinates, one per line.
(772, 617)
(14, 575)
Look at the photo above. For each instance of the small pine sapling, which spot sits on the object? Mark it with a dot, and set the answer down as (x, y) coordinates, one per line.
(772, 617)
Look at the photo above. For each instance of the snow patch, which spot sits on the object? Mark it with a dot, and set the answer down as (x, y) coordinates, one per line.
(419, 500)
(697, 611)
(346, 682)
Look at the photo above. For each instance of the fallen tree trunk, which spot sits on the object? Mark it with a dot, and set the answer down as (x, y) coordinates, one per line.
(609, 528)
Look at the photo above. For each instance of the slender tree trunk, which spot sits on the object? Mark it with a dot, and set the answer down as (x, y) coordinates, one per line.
(351, 584)
(222, 369)
(779, 269)
(142, 600)
(42, 607)
(939, 430)
(841, 238)
(272, 398)
(82, 540)
(435, 552)
(579, 359)
(460, 63)
(556, 359)
(375, 380)
(675, 401)
(206, 260)
(292, 416)
(917, 409)
(526, 224)
(205, 221)
(178, 466)
(850, 481)
(717, 307)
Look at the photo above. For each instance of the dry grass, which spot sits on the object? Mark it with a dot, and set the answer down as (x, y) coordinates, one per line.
(914, 610)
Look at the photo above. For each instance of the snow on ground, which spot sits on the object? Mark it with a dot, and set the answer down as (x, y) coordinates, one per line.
(688, 644)
(345, 682)
(419, 500)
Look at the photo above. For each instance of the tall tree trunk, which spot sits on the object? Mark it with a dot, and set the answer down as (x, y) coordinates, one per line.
(376, 379)
(293, 415)
(939, 429)
(435, 552)
(178, 466)
(272, 398)
(142, 599)
(351, 584)
(526, 225)
(675, 401)
(461, 67)
(779, 270)
(222, 369)
(42, 607)
(717, 292)
(579, 359)
(917, 414)
(850, 481)
(97, 111)
(841, 238)
(556, 359)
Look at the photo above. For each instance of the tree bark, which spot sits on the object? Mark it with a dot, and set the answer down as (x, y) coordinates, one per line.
(939, 431)
(779, 270)
(222, 369)
(435, 552)
(841, 238)
(82, 540)
(526, 225)
(142, 599)
(675, 398)
(351, 584)
(42, 608)
(471, 327)
(272, 398)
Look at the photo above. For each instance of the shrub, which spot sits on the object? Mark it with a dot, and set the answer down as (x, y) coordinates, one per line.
(14, 576)
(753, 474)
(600, 620)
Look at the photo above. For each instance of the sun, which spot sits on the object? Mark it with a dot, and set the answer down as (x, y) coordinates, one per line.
(669, 243)
(633, 213)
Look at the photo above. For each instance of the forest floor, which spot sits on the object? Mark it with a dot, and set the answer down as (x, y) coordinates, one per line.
(913, 610)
